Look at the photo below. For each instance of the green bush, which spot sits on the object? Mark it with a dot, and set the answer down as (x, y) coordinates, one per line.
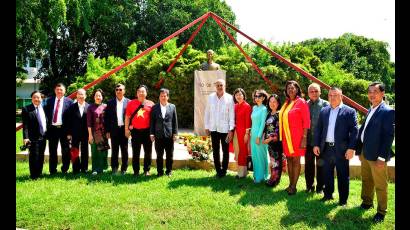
(150, 68)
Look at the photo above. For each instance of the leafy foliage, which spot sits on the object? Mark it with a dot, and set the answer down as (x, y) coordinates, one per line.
(63, 33)
(151, 68)
(365, 58)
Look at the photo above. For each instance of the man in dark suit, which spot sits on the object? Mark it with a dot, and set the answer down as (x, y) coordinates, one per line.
(163, 130)
(76, 124)
(55, 109)
(34, 129)
(374, 147)
(114, 126)
(335, 140)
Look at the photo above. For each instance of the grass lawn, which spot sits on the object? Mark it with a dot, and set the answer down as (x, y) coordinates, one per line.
(19, 140)
(190, 199)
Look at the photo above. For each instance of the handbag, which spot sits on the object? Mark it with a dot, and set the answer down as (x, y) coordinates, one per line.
(249, 163)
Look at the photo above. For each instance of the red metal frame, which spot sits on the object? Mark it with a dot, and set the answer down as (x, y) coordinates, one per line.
(290, 64)
(218, 20)
(244, 53)
(193, 35)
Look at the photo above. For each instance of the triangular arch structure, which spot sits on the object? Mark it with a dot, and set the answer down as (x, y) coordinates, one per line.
(222, 24)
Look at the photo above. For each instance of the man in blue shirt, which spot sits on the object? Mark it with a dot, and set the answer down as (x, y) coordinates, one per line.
(335, 140)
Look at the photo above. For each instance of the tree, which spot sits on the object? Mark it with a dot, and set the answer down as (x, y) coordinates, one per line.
(365, 58)
(64, 32)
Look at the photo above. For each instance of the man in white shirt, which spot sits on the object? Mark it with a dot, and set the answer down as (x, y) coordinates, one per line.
(220, 123)
(163, 130)
(374, 147)
(114, 126)
(77, 133)
(55, 110)
(34, 129)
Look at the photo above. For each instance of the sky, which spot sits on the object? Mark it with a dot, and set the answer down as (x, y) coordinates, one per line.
(281, 21)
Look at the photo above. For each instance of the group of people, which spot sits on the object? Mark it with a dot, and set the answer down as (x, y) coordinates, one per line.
(326, 133)
(76, 125)
(272, 133)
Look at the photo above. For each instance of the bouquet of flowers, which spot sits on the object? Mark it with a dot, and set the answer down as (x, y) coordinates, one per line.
(199, 147)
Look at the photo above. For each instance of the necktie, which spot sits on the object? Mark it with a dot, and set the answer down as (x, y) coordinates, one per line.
(56, 111)
(40, 123)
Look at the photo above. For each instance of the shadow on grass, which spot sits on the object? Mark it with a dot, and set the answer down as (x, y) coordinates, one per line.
(302, 207)
(105, 177)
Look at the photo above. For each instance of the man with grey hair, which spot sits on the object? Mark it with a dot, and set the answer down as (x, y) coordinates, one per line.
(77, 133)
(315, 104)
(220, 123)
(335, 140)
(210, 64)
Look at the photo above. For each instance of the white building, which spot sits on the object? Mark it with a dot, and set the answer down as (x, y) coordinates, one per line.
(30, 84)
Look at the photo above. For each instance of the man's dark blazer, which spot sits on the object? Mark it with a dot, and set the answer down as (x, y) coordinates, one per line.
(164, 127)
(379, 134)
(110, 116)
(49, 109)
(31, 127)
(346, 129)
(76, 125)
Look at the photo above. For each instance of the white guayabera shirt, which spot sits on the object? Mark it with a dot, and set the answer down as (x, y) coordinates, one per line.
(219, 113)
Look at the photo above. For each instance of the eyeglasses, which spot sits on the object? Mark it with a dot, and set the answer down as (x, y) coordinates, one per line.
(314, 91)
(258, 96)
(119, 89)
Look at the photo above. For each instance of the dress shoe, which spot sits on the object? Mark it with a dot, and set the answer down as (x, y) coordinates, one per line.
(292, 191)
(147, 173)
(378, 218)
(220, 175)
(169, 173)
(160, 174)
(366, 206)
(325, 198)
(342, 204)
(310, 189)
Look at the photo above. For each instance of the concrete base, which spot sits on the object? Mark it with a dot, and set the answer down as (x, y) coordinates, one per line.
(183, 160)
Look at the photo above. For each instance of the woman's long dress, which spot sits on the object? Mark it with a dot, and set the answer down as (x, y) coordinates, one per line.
(259, 151)
(99, 148)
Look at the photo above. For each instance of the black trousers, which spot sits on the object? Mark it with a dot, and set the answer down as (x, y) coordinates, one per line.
(55, 135)
(82, 145)
(330, 161)
(36, 157)
(310, 159)
(166, 144)
(217, 138)
(141, 136)
(119, 140)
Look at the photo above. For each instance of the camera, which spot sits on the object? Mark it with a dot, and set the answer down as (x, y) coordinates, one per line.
(24, 147)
